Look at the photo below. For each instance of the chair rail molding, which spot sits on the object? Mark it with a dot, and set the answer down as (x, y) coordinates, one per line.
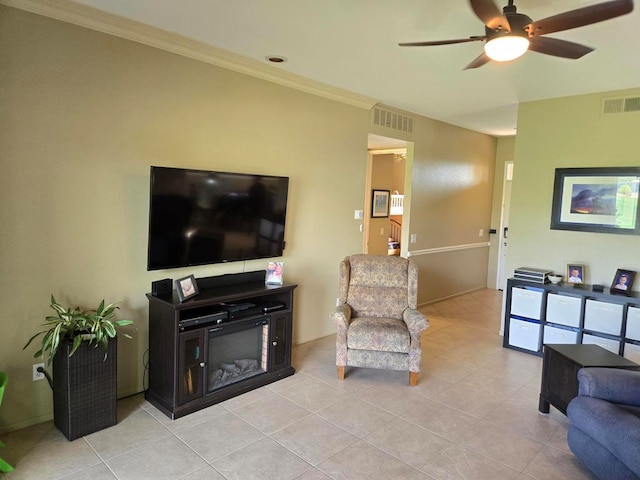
(94, 19)
(451, 248)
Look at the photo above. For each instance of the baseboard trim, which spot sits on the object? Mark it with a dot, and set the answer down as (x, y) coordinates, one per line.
(450, 296)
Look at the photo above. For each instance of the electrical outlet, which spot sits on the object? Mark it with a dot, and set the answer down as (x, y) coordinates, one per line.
(36, 374)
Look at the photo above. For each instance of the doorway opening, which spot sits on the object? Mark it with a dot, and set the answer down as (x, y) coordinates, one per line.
(388, 170)
(503, 232)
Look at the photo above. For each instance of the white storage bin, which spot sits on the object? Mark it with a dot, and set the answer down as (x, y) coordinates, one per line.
(559, 335)
(526, 303)
(607, 343)
(633, 323)
(524, 334)
(563, 309)
(603, 317)
(632, 352)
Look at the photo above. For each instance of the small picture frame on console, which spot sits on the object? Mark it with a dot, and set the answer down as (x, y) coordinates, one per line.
(575, 273)
(186, 287)
(623, 281)
(275, 272)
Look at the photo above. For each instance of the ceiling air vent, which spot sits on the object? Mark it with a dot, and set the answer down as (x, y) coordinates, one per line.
(620, 105)
(393, 120)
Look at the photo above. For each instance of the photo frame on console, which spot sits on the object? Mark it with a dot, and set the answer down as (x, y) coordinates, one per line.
(575, 273)
(275, 273)
(623, 281)
(187, 287)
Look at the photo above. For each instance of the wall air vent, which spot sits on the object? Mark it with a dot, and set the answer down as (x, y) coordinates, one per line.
(392, 120)
(620, 105)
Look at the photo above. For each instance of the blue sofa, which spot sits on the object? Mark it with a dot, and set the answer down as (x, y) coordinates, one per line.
(605, 422)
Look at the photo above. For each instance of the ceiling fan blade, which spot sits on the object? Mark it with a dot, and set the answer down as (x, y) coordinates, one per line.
(443, 42)
(581, 17)
(558, 48)
(478, 61)
(490, 14)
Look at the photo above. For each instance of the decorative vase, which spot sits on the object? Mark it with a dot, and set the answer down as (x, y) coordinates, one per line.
(84, 388)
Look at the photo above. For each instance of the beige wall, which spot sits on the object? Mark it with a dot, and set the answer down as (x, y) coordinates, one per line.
(560, 133)
(82, 117)
(447, 201)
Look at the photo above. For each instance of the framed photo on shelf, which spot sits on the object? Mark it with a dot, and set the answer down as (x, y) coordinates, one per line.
(601, 200)
(623, 281)
(575, 273)
(186, 287)
(275, 272)
(380, 203)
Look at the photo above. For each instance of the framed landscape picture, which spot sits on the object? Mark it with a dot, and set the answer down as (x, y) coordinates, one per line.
(601, 200)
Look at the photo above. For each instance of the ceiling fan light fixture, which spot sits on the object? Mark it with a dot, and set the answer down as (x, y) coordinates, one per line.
(506, 47)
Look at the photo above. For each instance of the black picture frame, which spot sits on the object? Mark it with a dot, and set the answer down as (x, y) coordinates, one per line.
(380, 203)
(602, 200)
(623, 281)
(186, 287)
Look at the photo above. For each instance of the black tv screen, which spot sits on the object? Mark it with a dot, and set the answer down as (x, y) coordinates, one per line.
(199, 217)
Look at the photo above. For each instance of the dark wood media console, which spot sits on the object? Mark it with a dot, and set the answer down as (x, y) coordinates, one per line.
(233, 337)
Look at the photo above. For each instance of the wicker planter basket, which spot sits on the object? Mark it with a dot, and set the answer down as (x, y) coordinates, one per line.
(84, 389)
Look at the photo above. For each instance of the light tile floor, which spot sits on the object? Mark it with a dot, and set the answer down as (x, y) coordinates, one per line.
(473, 415)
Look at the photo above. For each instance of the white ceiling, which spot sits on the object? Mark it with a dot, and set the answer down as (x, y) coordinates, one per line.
(352, 44)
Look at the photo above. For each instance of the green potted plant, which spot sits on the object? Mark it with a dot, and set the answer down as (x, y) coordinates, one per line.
(82, 346)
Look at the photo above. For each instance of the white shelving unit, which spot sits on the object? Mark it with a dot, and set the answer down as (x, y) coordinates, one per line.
(536, 314)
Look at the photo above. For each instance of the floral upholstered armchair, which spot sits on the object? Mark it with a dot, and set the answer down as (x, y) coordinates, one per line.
(378, 324)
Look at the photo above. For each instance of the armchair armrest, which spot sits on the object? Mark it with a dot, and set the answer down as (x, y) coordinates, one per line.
(416, 323)
(611, 384)
(341, 315)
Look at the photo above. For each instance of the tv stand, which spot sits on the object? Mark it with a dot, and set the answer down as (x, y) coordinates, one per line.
(202, 351)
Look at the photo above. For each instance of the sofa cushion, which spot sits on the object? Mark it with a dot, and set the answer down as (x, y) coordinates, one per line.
(602, 463)
(615, 428)
(381, 334)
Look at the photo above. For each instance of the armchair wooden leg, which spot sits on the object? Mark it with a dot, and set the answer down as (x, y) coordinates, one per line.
(341, 372)
(413, 378)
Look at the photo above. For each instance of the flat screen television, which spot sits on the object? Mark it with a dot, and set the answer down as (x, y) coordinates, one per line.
(199, 217)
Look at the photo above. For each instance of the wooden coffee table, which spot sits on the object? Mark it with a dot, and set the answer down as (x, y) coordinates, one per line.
(560, 366)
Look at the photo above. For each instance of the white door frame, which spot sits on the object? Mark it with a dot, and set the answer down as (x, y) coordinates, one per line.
(501, 276)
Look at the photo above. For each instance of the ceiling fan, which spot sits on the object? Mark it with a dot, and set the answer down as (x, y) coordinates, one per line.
(509, 34)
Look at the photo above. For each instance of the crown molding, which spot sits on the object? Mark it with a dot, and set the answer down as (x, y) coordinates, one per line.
(89, 17)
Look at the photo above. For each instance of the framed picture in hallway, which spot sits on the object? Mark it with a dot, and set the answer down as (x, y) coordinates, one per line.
(380, 203)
